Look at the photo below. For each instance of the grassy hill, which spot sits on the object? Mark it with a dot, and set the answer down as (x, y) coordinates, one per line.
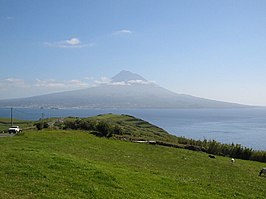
(77, 164)
(133, 128)
(126, 127)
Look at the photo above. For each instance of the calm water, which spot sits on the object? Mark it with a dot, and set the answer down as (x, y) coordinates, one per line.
(244, 126)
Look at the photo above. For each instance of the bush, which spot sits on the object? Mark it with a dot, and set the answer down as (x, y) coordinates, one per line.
(231, 150)
(104, 128)
(41, 125)
(117, 130)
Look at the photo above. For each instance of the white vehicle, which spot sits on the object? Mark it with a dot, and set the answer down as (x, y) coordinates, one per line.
(14, 129)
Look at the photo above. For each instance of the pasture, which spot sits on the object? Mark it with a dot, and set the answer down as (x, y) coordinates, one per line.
(76, 164)
(5, 123)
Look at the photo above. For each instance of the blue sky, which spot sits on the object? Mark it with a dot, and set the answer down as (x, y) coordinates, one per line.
(211, 49)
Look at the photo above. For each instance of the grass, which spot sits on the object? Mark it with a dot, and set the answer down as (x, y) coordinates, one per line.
(127, 127)
(5, 124)
(76, 164)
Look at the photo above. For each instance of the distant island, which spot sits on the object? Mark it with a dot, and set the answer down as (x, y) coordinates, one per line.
(125, 90)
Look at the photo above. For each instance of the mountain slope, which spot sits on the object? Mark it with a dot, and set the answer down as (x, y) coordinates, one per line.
(127, 76)
(126, 90)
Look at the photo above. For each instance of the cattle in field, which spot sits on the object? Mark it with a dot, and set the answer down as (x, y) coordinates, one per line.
(263, 171)
(211, 156)
(233, 160)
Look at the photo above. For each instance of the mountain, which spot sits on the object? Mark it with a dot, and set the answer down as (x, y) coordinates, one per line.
(127, 76)
(125, 90)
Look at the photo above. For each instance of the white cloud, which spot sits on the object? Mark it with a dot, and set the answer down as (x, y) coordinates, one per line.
(12, 82)
(123, 31)
(140, 82)
(108, 81)
(69, 43)
(73, 41)
(103, 80)
(119, 83)
(61, 85)
(78, 83)
(13, 87)
(51, 83)
(16, 88)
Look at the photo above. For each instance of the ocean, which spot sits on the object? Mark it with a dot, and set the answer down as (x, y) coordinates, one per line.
(240, 126)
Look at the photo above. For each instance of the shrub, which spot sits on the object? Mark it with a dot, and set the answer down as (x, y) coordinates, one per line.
(41, 125)
(104, 128)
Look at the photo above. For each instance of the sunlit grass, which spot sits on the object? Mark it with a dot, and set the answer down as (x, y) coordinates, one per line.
(75, 164)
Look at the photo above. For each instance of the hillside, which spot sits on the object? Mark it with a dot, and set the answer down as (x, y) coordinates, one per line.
(131, 127)
(128, 128)
(125, 90)
(75, 164)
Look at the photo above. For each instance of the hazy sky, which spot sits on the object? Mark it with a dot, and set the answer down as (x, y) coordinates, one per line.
(214, 49)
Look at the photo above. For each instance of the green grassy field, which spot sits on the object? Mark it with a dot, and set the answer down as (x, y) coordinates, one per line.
(76, 164)
(5, 124)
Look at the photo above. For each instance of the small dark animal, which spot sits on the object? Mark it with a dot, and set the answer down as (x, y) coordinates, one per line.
(211, 156)
(263, 171)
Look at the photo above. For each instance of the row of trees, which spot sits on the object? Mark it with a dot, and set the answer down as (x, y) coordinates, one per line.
(231, 150)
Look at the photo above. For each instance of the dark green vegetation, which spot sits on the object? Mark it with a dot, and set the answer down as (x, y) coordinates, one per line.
(76, 164)
(119, 126)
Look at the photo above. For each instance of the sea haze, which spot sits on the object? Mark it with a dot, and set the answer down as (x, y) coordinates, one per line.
(245, 126)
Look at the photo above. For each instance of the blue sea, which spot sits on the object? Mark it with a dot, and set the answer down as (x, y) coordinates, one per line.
(242, 126)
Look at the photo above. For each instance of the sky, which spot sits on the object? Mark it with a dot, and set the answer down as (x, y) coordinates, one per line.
(210, 49)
